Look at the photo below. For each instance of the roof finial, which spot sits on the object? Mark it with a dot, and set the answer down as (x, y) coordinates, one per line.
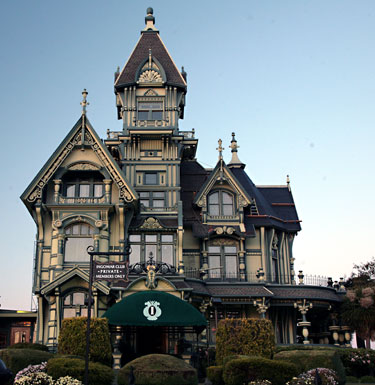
(235, 162)
(220, 149)
(233, 143)
(150, 20)
(84, 102)
(288, 182)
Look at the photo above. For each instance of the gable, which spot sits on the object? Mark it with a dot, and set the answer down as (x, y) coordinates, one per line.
(72, 142)
(72, 274)
(220, 176)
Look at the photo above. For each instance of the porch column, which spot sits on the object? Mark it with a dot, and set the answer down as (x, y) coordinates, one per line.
(303, 307)
(116, 351)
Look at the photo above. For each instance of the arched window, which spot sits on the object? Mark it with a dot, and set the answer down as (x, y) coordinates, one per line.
(78, 238)
(220, 203)
(75, 305)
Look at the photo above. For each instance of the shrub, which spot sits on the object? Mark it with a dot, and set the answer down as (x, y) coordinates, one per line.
(215, 375)
(158, 369)
(67, 380)
(31, 369)
(352, 380)
(245, 337)
(39, 378)
(233, 357)
(328, 376)
(99, 374)
(311, 359)
(27, 345)
(18, 359)
(260, 382)
(358, 362)
(72, 339)
(242, 370)
(368, 380)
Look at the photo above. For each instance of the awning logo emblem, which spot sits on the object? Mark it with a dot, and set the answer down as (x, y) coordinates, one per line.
(152, 310)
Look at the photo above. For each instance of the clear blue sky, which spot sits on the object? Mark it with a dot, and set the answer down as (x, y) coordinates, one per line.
(293, 78)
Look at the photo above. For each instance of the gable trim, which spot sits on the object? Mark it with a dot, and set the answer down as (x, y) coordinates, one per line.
(82, 129)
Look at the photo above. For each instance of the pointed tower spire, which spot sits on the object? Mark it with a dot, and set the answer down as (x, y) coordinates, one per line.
(235, 162)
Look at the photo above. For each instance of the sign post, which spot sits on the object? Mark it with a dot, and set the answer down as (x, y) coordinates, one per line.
(108, 271)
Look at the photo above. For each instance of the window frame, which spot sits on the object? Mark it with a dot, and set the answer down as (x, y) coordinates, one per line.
(78, 182)
(151, 198)
(151, 110)
(220, 204)
(69, 234)
(144, 246)
(223, 256)
(76, 306)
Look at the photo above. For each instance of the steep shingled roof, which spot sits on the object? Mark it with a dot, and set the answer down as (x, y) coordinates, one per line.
(275, 204)
(149, 40)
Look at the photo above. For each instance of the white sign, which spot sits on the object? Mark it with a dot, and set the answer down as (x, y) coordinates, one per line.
(152, 310)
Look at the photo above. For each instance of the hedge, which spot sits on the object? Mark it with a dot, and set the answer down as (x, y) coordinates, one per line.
(18, 359)
(99, 374)
(72, 339)
(244, 337)
(243, 370)
(215, 375)
(28, 345)
(312, 358)
(367, 380)
(158, 369)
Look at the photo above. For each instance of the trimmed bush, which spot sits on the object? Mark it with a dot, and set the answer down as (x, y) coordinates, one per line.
(282, 348)
(311, 359)
(233, 357)
(99, 374)
(243, 370)
(158, 369)
(215, 375)
(18, 359)
(72, 339)
(248, 336)
(27, 345)
(352, 380)
(367, 380)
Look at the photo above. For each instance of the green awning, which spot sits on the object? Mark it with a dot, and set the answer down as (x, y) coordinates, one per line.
(154, 308)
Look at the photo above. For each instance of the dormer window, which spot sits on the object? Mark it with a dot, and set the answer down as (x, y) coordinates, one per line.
(150, 111)
(220, 203)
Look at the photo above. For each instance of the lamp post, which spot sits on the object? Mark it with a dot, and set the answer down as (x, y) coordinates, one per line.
(108, 277)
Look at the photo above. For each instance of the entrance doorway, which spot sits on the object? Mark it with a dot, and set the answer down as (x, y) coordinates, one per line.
(150, 340)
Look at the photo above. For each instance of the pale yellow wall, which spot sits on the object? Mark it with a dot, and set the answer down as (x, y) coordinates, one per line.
(77, 155)
(253, 243)
(189, 241)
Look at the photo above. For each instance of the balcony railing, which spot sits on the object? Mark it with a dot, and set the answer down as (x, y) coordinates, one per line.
(81, 200)
(308, 280)
(158, 209)
(188, 134)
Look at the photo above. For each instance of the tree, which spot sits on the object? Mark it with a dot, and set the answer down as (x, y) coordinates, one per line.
(358, 309)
